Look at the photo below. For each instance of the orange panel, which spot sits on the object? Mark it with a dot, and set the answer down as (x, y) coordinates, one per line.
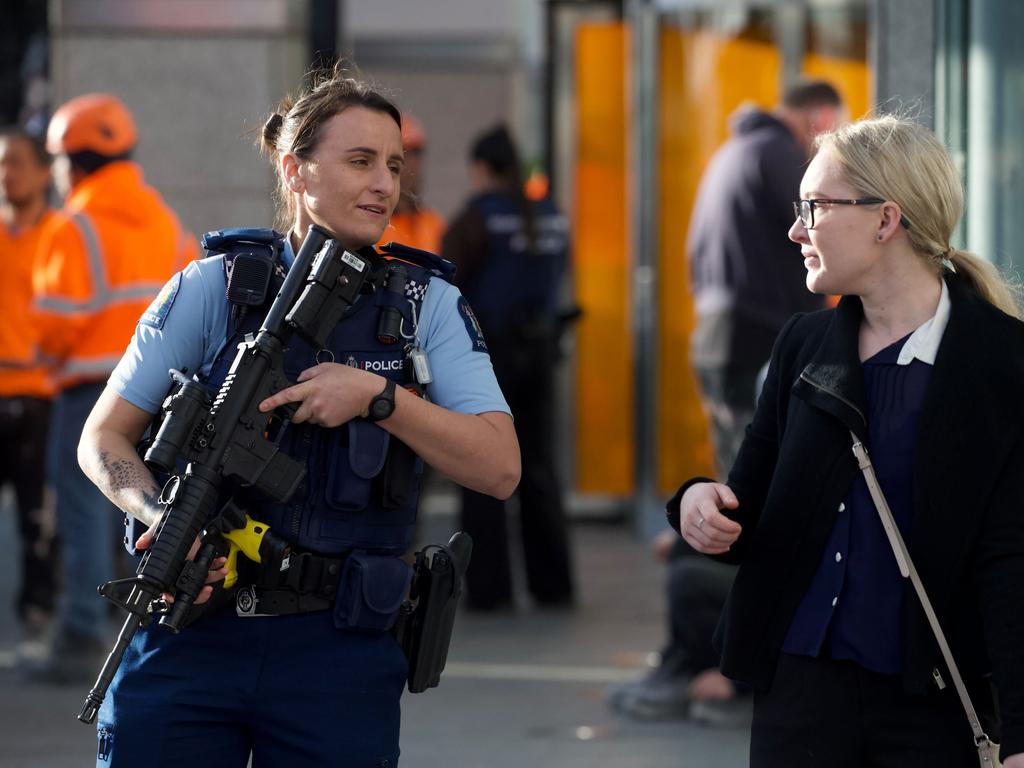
(851, 78)
(703, 78)
(601, 255)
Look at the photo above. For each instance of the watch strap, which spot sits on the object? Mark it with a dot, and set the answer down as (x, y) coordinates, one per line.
(387, 395)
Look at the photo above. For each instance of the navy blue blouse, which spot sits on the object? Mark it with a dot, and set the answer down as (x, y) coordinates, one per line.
(853, 607)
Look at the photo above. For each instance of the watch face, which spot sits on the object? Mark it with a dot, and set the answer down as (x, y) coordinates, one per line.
(382, 408)
(383, 405)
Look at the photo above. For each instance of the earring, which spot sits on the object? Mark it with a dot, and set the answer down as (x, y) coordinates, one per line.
(879, 238)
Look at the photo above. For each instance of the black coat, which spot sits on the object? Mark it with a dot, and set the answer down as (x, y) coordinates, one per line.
(967, 528)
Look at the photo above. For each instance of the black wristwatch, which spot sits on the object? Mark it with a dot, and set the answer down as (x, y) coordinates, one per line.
(383, 405)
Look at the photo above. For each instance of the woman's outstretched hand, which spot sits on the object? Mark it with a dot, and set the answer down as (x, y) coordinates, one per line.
(701, 523)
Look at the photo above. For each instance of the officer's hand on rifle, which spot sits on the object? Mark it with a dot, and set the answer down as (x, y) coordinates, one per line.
(217, 568)
(330, 394)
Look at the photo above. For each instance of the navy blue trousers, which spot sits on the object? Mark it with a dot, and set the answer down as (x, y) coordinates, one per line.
(289, 690)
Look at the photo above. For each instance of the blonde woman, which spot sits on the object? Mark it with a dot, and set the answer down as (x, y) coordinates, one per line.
(923, 360)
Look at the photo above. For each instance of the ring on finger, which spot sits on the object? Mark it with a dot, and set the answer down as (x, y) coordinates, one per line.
(700, 523)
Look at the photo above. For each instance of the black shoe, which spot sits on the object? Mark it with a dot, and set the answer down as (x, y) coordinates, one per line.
(652, 698)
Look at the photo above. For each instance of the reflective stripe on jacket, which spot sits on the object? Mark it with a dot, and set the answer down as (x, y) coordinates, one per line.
(101, 261)
(21, 371)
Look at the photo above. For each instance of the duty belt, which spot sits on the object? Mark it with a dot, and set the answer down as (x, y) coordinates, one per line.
(306, 582)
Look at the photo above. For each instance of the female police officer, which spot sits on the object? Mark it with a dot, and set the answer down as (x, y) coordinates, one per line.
(309, 686)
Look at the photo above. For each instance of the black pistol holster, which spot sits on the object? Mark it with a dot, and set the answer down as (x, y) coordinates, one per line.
(424, 626)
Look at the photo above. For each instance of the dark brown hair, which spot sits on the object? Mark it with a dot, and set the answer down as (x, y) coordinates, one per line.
(811, 93)
(36, 144)
(296, 125)
(496, 149)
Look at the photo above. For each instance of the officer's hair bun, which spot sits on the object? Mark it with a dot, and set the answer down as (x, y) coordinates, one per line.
(272, 129)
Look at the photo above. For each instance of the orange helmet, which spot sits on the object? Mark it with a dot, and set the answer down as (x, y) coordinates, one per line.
(96, 122)
(536, 187)
(413, 135)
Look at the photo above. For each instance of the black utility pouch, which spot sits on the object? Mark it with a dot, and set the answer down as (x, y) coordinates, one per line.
(371, 592)
(425, 625)
(400, 478)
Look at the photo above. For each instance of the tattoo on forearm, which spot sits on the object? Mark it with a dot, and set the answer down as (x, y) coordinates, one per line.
(120, 475)
(123, 474)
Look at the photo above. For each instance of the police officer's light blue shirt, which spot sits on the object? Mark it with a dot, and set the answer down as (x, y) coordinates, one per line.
(186, 327)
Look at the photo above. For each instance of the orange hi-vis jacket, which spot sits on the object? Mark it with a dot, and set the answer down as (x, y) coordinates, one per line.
(101, 262)
(421, 229)
(22, 372)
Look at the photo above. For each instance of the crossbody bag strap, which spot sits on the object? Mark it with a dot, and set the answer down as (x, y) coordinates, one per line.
(907, 570)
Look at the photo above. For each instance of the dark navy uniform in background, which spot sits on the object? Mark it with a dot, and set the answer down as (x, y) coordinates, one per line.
(312, 687)
(511, 276)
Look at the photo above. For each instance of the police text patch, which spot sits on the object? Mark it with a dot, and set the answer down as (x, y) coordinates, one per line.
(156, 315)
(476, 335)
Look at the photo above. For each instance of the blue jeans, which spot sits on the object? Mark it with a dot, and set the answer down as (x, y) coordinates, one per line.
(86, 519)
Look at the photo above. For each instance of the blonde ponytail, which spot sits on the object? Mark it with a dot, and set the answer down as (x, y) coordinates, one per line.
(985, 279)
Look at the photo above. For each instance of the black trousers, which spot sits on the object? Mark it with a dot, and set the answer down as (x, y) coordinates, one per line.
(836, 714)
(697, 588)
(525, 374)
(23, 428)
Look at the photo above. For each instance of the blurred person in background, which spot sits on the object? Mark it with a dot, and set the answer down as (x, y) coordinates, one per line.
(314, 677)
(686, 683)
(413, 223)
(921, 363)
(25, 387)
(101, 260)
(746, 275)
(22, 38)
(748, 281)
(511, 255)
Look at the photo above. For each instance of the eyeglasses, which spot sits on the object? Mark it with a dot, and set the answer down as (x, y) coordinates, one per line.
(804, 209)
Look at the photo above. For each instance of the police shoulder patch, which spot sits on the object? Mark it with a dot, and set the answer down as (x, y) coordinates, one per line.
(156, 315)
(476, 335)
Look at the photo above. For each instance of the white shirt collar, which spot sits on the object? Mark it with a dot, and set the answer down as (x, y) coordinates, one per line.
(923, 343)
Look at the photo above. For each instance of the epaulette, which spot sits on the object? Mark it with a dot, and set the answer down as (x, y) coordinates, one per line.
(230, 240)
(439, 266)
